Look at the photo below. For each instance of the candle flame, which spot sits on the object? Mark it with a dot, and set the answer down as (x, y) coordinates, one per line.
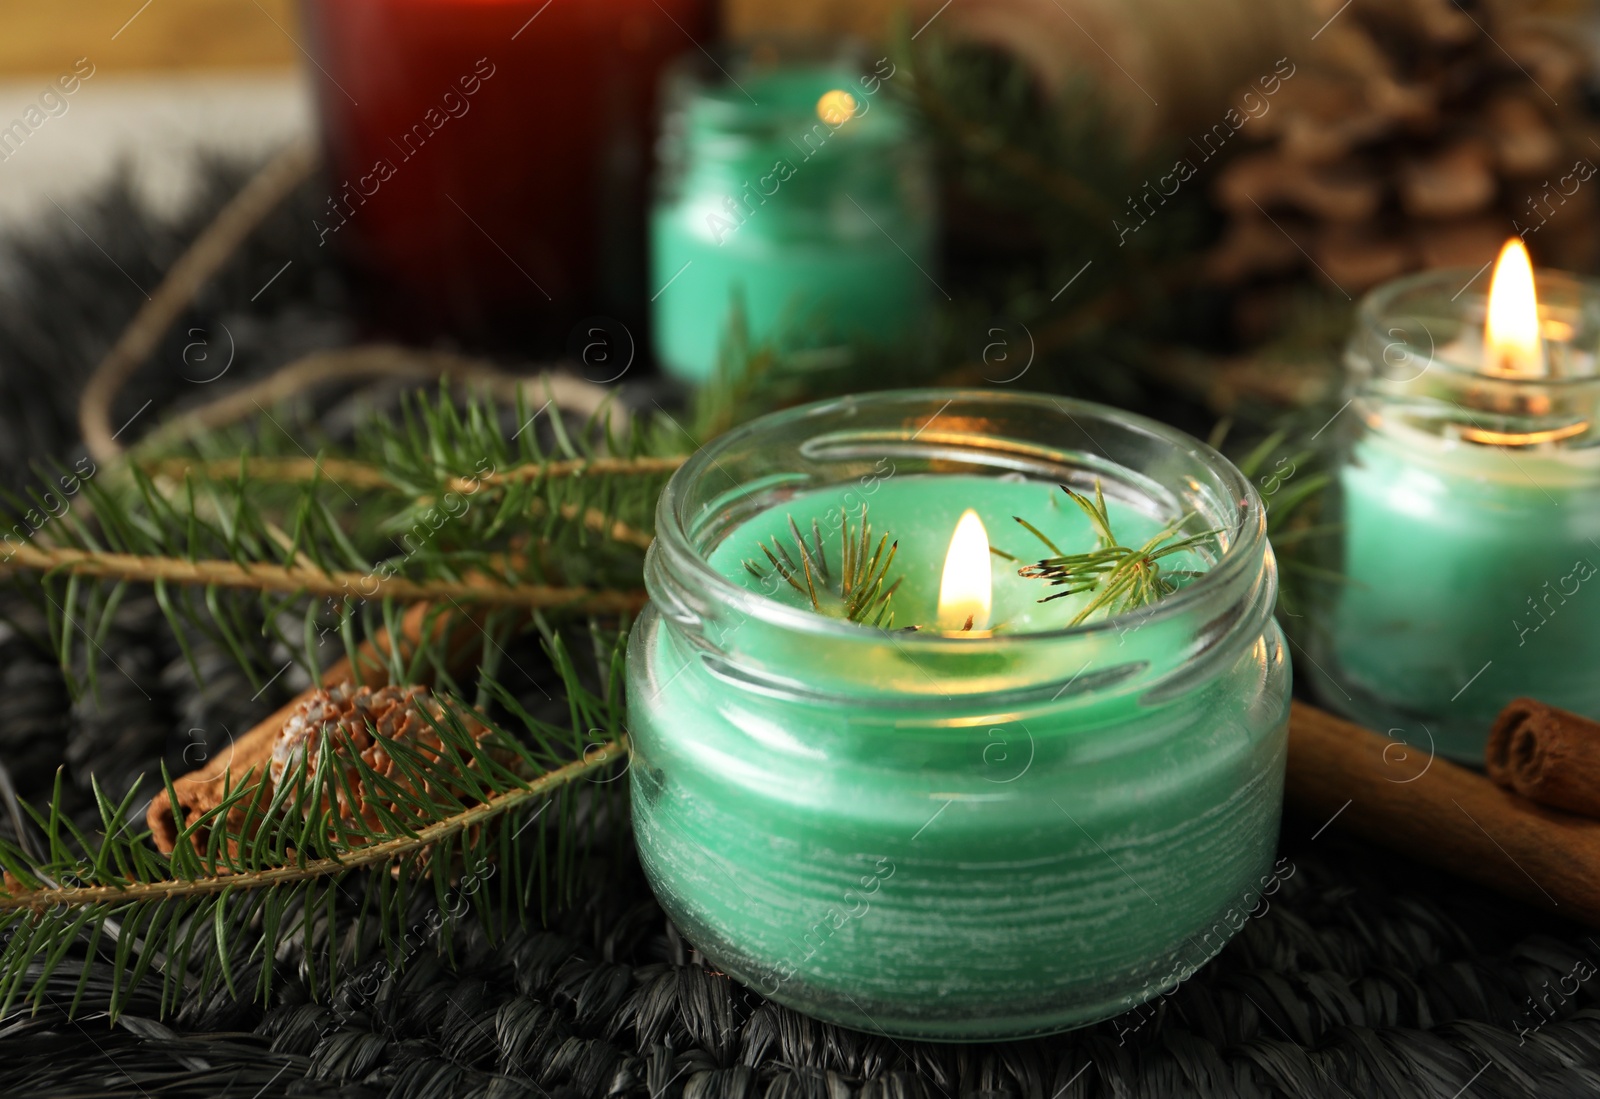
(836, 107)
(965, 589)
(1512, 332)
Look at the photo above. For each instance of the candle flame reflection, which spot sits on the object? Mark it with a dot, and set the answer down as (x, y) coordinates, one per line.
(965, 588)
(836, 107)
(1512, 332)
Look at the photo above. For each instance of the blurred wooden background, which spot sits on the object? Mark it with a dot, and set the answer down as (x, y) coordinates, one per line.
(219, 34)
(865, 18)
(133, 35)
(213, 34)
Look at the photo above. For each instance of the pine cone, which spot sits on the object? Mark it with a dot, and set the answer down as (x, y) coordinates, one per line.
(350, 721)
(1421, 133)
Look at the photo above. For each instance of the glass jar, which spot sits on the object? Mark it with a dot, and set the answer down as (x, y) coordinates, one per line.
(948, 835)
(794, 199)
(1468, 508)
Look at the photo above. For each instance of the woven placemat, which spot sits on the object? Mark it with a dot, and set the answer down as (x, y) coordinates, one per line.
(1365, 975)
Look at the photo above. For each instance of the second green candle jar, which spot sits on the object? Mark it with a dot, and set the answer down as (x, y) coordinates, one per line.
(943, 834)
(794, 201)
(1467, 511)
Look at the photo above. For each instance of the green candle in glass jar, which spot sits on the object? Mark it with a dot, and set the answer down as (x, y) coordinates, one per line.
(995, 825)
(1468, 506)
(795, 200)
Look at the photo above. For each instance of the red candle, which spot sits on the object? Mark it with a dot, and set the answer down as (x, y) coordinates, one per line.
(487, 159)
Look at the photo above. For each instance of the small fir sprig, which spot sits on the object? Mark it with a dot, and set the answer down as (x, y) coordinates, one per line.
(858, 594)
(1122, 578)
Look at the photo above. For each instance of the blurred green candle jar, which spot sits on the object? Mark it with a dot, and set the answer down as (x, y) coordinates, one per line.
(794, 205)
(1468, 508)
(1005, 827)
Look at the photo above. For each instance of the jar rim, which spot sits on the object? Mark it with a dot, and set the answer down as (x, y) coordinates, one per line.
(1245, 539)
(1378, 310)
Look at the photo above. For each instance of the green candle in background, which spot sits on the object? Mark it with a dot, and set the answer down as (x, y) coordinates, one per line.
(1469, 587)
(1468, 503)
(795, 200)
(946, 834)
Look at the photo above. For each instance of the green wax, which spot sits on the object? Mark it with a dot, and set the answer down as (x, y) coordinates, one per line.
(1469, 582)
(964, 866)
(805, 294)
(822, 232)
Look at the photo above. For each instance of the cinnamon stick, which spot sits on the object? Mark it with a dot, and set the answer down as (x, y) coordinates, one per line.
(1548, 755)
(1443, 814)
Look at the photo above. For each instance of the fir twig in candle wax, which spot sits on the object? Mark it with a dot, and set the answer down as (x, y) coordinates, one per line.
(1123, 578)
(962, 831)
(861, 596)
(1469, 500)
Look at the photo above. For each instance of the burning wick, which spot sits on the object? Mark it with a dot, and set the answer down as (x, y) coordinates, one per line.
(965, 588)
(1511, 334)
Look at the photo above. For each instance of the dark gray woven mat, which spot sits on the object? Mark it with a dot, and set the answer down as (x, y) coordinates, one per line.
(1367, 976)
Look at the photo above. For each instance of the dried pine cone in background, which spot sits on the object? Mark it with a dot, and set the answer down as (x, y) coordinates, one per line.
(349, 721)
(1166, 67)
(1414, 133)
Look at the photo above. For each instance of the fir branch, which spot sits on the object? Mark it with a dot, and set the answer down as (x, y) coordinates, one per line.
(1122, 578)
(598, 521)
(274, 861)
(384, 851)
(300, 579)
(347, 475)
(459, 507)
(367, 476)
(592, 478)
(226, 548)
(358, 476)
(583, 467)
